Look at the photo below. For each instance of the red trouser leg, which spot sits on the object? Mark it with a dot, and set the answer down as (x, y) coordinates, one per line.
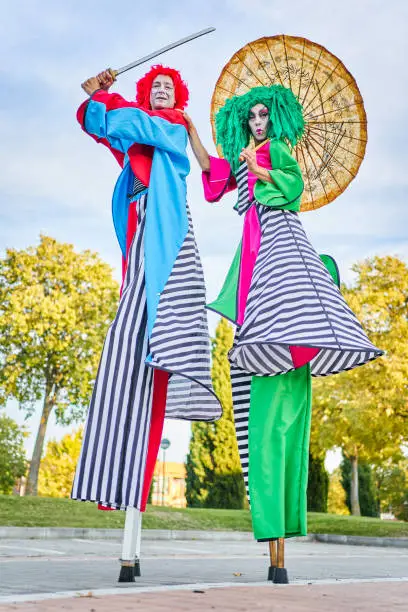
(160, 382)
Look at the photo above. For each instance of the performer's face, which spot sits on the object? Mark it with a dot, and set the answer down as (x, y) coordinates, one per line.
(258, 122)
(162, 92)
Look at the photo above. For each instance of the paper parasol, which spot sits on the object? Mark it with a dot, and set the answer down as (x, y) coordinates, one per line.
(334, 142)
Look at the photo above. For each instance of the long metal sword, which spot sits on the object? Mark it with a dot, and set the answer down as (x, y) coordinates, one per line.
(146, 58)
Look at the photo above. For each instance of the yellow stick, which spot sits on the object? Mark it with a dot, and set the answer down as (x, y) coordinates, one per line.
(272, 552)
(281, 552)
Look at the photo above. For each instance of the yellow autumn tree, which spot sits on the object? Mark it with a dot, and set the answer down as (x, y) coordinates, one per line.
(337, 495)
(55, 307)
(57, 468)
(365, 411)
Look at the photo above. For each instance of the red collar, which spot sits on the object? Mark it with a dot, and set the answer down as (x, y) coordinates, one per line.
(172, 115)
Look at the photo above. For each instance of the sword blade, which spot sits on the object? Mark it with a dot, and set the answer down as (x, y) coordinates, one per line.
(146, 58)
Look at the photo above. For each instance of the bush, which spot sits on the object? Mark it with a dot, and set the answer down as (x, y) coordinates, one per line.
(227, 491)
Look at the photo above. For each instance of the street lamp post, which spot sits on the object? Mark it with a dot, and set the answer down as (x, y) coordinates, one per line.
(164, 445)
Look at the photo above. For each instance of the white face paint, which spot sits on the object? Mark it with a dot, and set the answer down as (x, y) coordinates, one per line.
(258, 122)
(162, 92)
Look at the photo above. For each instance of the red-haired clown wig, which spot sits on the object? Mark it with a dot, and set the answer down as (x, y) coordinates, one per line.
(144, 86)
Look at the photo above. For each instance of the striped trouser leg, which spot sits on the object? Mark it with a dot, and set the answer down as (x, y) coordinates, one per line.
(241, 390)
(113, 455)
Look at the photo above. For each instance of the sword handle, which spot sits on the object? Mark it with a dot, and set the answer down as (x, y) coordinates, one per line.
(113, 73)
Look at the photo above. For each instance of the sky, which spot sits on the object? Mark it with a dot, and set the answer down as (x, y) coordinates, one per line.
(54, 180)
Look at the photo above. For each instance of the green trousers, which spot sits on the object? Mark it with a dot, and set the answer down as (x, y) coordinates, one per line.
(278, 445)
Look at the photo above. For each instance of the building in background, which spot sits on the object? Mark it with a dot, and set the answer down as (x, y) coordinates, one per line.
(169, 484)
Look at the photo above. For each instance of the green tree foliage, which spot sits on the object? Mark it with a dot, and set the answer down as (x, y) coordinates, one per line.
(57, 467)
(317, 485)
(13, 463)
(150, 495)
(227, 489)
(392, 488)
(401, 511)
(337, 495)
(364, 411)
(366, 487)
(199, 464)
(214, 476)
(55, 307)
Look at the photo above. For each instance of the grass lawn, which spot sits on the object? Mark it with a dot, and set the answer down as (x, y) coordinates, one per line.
(54, 512)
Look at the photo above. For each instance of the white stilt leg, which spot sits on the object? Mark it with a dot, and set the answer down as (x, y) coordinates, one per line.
(139, 535)
(131, 545)
(131, 535)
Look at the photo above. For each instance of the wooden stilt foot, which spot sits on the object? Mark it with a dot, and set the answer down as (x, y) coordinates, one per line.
(273, 559)
(280, 574)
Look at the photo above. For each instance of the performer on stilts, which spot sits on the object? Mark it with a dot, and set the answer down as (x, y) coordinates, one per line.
(291, 319)
(156, 356)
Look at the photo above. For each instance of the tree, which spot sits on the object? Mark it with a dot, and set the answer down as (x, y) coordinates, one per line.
(337, 495)
(57, 468)
(364, 411)
(367, 493)
(199, 464)
(227, 489)
(392, 487)
(401, 511)
(55, 306)
(317, 485)
(13, 463)
(152, 487)
(214, 475)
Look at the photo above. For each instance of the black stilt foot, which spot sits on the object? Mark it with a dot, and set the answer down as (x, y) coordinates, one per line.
(271, 573)
(136, 571)
(280, 575)
(127, 572)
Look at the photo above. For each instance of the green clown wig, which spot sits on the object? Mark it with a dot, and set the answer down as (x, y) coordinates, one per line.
(285, 119)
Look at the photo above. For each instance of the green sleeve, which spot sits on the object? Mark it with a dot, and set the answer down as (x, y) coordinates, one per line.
(286, 190)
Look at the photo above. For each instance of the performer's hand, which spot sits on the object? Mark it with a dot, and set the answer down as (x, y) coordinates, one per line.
(254, 167)
(189, 121)
(199, 150)
(91, 85)
(105, 80)
(250, 156)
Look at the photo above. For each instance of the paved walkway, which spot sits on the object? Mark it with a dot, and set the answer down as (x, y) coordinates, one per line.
(82, 565)
(360, 597)
(81, 575)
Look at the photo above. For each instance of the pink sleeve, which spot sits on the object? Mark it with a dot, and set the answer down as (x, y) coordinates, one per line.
(218, 180)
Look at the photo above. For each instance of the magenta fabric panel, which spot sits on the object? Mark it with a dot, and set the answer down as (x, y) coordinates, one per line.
(218, 180)
(251, 240)
(301, 355)
(263, 158)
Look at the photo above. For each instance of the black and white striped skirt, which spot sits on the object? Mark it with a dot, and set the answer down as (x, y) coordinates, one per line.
(112, 462)
(113, 454)
(294, 302)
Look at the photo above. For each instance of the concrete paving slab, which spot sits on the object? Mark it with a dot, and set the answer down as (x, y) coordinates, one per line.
(355, 597)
